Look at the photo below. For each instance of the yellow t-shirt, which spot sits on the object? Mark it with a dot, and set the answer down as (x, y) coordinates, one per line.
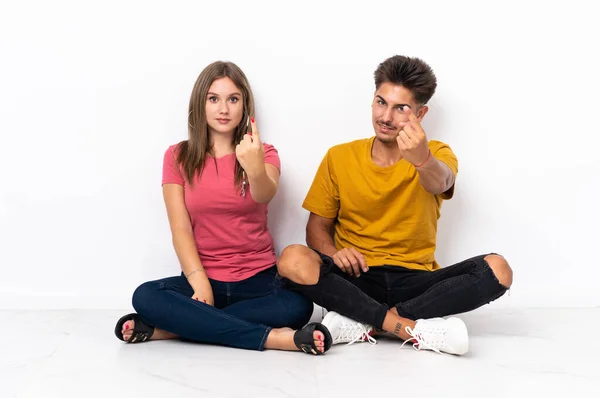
(383, 212)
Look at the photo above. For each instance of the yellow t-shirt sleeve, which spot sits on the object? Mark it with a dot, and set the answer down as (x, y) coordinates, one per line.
(444, 153)
(323, 197)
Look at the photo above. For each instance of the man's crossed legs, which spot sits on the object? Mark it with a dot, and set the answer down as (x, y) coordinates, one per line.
(408, 303)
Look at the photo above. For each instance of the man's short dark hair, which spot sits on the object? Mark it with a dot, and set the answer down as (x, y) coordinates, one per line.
(411, 73)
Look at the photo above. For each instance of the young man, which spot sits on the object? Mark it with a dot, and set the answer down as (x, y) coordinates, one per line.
(371, 235)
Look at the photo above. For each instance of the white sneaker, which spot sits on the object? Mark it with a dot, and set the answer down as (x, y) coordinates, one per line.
(440, 335)
(346, 330)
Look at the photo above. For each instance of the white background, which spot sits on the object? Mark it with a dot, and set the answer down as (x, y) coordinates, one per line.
(92, 93)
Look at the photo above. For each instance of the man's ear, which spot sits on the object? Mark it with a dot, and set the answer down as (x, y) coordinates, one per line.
(422, 112)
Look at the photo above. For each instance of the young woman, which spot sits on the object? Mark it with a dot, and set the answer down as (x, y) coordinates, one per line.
(216, 187)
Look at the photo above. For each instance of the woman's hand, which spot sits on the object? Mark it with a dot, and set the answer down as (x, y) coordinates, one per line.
(251, 153)
(205, 297)
(202, 289)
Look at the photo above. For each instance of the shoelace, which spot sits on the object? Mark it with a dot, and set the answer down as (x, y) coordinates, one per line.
(432, 338)
(357, 330)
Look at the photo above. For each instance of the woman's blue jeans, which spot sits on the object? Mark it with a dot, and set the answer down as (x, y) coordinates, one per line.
(243, 315)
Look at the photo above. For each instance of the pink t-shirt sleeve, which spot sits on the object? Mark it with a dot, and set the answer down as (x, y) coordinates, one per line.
(272, 156)
(171, 171)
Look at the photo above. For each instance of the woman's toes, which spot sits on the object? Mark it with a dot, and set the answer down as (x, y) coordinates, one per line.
(318, 336)
(127, 329)
(319, 346)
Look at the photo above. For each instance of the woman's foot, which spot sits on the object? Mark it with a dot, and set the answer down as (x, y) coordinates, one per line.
(158, 334)
(283, 339)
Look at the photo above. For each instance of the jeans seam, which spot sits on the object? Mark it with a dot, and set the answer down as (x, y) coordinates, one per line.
(261, 346)
(388, 288)
(228, 295)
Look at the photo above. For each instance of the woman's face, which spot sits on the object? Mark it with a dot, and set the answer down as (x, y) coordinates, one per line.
(224, 107)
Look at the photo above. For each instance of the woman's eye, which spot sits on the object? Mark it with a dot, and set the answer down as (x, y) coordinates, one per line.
(213, 99)
(234, 100)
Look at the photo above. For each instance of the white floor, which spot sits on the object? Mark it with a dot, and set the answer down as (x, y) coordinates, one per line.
(513, 353)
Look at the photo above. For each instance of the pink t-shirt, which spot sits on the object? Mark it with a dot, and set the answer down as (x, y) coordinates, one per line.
(230, 231)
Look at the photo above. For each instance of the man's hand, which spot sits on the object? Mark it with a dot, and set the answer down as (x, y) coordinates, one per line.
(250, 152)
(412, 140)
(350, 261)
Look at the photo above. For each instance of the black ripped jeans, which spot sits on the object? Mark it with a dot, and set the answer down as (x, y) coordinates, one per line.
(415, 294)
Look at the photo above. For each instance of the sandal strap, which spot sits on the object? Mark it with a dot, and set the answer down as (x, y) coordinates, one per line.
(304, 340)
(141, 330)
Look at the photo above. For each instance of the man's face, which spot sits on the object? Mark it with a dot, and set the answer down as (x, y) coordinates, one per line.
(388, 110)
